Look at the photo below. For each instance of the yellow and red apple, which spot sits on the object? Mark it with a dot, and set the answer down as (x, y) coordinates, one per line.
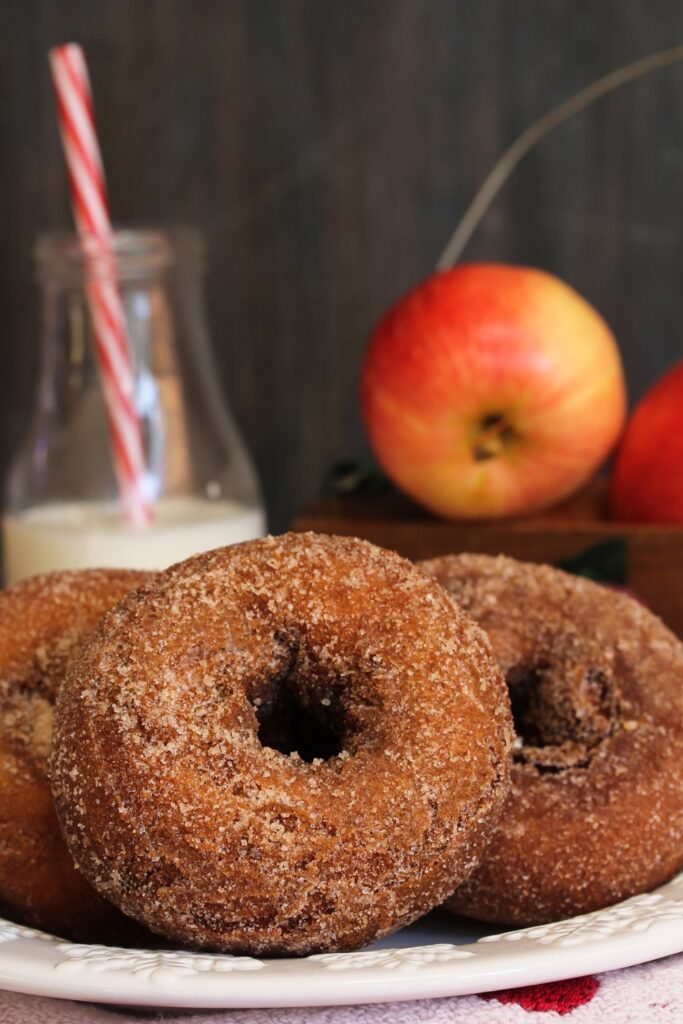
(647, 480)
(492, 390)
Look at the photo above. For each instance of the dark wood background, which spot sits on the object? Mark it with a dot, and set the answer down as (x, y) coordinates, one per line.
(327, 148)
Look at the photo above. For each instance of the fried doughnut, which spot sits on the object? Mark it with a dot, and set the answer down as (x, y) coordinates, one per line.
(42, 621)
(595, 813)
(253, 755)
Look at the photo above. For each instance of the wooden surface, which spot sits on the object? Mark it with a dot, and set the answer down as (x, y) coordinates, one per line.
(655, 553)
(326, 148)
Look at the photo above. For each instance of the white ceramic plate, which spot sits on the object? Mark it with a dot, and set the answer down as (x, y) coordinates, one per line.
(438, 956)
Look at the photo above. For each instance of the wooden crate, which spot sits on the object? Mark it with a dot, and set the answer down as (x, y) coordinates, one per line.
(655, 552)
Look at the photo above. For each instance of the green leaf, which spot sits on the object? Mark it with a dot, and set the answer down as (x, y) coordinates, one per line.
(349, 478)
(606, 562)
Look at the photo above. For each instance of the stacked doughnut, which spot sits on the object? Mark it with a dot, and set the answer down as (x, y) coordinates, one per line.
(250, 751)
(304, 743)
(595, 811)
(186, 795)
(42, 624)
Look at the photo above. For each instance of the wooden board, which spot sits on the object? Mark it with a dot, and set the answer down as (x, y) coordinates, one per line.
(655, 551)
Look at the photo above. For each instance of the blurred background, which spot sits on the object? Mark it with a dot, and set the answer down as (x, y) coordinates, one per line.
(327, 148)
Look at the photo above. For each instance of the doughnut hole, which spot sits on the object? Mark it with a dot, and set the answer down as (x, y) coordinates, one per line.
(561, 714)
(308, 710)
(286, 724)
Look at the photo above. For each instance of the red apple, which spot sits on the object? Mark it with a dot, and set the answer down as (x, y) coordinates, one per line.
(492, 390)
(647, 480)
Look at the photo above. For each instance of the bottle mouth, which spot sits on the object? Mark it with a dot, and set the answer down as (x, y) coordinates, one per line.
(140, 252)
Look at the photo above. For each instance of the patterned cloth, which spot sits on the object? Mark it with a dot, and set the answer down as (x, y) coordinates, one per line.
(649, 994)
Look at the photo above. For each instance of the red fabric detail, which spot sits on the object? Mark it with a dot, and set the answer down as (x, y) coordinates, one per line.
(560, 996)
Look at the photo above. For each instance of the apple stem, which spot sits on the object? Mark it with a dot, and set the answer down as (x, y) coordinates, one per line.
(493, 437)
(535, 132)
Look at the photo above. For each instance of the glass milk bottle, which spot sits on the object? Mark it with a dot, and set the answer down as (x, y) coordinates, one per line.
(61, 506)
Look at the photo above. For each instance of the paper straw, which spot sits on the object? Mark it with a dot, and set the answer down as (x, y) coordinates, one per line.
(90, 208)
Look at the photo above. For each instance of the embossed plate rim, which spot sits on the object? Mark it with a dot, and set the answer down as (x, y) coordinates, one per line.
(643, 928)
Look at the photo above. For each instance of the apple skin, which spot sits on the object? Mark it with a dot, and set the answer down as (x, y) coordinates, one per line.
(646, 484)
(492, 390)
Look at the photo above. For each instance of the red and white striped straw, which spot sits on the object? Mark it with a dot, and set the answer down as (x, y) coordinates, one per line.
(91, 213)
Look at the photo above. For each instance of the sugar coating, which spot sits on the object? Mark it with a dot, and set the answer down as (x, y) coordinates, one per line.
(174, 809)
(595, 813)
(42, 622)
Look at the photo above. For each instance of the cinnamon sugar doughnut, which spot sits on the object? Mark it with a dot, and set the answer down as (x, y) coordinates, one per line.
(252, 755)
(595, 813)
(42, 621)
